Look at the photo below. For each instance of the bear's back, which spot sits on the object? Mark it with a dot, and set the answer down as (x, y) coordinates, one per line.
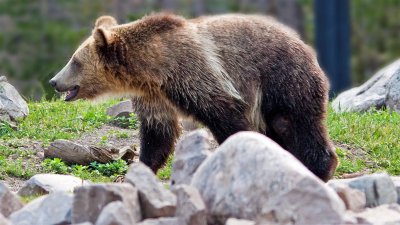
(255, 47)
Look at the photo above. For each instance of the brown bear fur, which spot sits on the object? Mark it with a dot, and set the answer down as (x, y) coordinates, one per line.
(230, 72)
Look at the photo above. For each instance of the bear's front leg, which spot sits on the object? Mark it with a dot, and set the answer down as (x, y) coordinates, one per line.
(157, 139)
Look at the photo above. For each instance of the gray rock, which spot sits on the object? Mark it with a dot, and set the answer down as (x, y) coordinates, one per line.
(3, 220)
(51, 209)
(381, 215)
(122, 109)
(188, 124)
(190, 152)
(234, 221)
(115, 213)
(354, 199)
(189, 205)
(155, 200)
(12, 105)
(396, 182)
(378, 188)
(9, 202)
(250, 175)
(383, 89)
(90, 200)
(163, 221)
(41, 184)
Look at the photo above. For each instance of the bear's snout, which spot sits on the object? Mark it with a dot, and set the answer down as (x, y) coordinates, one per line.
(53, 83)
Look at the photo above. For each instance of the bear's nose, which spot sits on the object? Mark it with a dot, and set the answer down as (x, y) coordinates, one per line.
(53, 83)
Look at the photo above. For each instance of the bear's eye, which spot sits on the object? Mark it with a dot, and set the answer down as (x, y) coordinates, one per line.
(75, 64)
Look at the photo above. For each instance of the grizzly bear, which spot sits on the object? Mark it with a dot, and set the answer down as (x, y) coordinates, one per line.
(231, 73)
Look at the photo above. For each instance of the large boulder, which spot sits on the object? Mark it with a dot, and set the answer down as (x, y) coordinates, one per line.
(378, 188)
(155, 200)
(89, 202)
(12, 105)
(41, 184)
(121, 109)
(9, 202)
(190, 152)
(46, 210)
(250, 176)
(383, 89)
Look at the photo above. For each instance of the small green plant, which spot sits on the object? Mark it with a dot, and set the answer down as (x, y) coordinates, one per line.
(110, 169)
(122, 134)
(103, 140)
(55, 165)
(165, 172)
(96, 172)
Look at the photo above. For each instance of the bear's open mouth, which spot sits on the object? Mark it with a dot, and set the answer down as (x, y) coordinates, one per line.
(72, 93)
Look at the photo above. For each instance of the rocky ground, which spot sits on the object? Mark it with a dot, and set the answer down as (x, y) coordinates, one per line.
(248, 180)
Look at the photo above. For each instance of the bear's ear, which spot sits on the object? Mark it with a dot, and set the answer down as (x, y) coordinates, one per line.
(102, 37)
(105, 21)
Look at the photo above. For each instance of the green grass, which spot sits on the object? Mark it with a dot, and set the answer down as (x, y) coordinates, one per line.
(51, 120)
(376, 134)
(165, 172)
(16, 163)
(48, 121)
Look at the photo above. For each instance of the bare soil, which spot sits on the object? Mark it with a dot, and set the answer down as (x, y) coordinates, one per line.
(354, 153)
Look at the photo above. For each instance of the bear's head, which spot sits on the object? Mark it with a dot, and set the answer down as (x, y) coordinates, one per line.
(88, 74)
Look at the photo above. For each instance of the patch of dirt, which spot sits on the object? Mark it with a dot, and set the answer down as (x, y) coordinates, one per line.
(24, 144)
(34, 157)
(110, 135)
(14, 183)
(353, 154)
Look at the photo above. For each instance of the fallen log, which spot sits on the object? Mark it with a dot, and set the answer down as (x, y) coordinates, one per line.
(73, 153)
